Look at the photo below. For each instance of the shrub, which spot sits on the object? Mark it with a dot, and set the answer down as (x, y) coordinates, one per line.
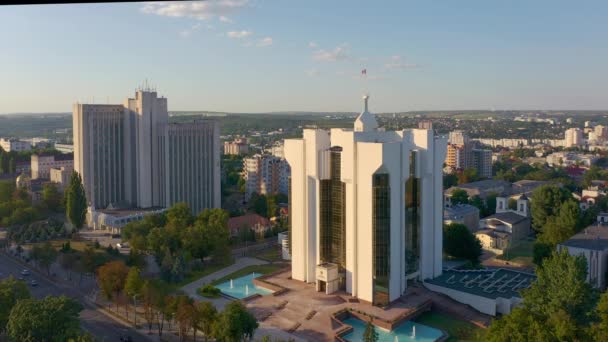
(209, 291)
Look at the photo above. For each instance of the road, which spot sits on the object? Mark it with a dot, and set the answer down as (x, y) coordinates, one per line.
(92, 320)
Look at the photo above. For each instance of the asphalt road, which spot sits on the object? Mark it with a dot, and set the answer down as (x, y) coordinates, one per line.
(92, 320)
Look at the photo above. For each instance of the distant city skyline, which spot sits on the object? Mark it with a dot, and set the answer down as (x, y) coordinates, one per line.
(269, 56)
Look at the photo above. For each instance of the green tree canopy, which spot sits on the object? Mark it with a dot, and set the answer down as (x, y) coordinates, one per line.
(459, 196)
(370, 334)
(11, 291)
(52, 319)
(76, 201)
(557, 307)
(52, 197)
(235, 323)
(459, 242)
(545, 202)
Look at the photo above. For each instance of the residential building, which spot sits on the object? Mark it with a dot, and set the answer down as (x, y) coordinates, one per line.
(366, 208)
(592, 244)
(130, 157)
(462, 213)
(482, 162)
(601, 133)
(64, 148)
(425, 124)
(455, 157)
(265, 174)
(573, 137)
(41, 164)
(236, 147)
(277, 150)
(250, 221)
(13, 144)
(61, 176)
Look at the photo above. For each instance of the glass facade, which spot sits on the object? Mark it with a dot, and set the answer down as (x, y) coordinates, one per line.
(332, 212)
(412, 218)
(381, 221)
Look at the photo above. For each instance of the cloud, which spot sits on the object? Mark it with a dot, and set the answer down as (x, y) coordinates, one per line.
(187, 32)
(339, 53)
(397, 63)
(201, 10)
(312, 72)
(239, 34)
(226, 20)
(312, 45)
(266, 41)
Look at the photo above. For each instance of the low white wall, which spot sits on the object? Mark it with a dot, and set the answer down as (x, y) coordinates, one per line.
(481, 304)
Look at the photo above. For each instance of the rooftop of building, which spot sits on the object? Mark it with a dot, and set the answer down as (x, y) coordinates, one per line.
(508, 217)
(493, 233)
(483, 184)
(460, 209)
(121, 212)
(489, 283)
(593, 238)
(57, 157)
(247, 221)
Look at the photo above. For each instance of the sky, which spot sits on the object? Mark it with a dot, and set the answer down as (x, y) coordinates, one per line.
(288, 55)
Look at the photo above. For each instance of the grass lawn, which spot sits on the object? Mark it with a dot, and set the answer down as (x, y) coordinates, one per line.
(521, 253)
(263, 269)
(271, 254)
(459, 330)
(194, 275)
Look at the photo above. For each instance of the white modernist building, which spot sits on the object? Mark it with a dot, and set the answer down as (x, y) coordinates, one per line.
(130, 156)
(366, 208)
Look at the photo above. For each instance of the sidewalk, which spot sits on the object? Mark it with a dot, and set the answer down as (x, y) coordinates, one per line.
(240, 263)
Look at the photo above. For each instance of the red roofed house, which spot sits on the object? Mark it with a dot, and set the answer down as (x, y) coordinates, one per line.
(253, 221)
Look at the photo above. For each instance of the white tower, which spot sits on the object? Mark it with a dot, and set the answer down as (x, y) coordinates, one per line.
(365, 121)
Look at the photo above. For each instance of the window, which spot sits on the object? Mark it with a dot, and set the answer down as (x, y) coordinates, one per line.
(381, 226)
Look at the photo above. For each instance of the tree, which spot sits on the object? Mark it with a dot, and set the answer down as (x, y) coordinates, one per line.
(258, 204)
(491, 204)
(271, 206)
(459, 196)
(207, 315)
(600, 329)
(449, 180)
(545, 202)
(459, 242)
(76, 201)
(50, 319)
(512, 204)
(68, 260)
(213, 224)
(558, 306)
(179, 215)
(51, 196)
(477, 202)
(185, 316)
(133, 287)
(12, 168)
(11, 291)
(111, 278)
(45, 255)
(563, 225)
(235, 323)
(541, 251)
(370, 334)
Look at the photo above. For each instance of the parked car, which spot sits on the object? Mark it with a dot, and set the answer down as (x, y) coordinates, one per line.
(33, 282)
(25, 272)
(122, 245)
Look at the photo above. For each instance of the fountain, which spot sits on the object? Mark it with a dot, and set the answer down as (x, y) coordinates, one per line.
(413, 332)
(231, 284)
(396, 338)
(247, 293)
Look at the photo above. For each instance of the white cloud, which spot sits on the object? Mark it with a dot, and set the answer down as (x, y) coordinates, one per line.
(312, 45)
(226, 20)
(266, 41)
(312, 72)
(201, 10)
(398, 63)
(339, 53)
(187, 32)
(239, 34)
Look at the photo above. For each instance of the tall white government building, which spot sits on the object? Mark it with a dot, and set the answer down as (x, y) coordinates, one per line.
(130, 156)
(366, 208)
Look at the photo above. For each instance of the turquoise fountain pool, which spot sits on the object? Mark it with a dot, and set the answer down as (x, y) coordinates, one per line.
(406, 332)
(242, 287)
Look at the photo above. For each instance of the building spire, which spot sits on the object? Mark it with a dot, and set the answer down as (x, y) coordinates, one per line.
(366, 121)
(365, 98)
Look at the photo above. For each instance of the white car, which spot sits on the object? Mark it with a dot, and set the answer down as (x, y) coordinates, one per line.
(25, 272)
(122, 245)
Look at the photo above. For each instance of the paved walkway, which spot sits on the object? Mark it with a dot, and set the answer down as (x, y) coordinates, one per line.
(240, 263)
